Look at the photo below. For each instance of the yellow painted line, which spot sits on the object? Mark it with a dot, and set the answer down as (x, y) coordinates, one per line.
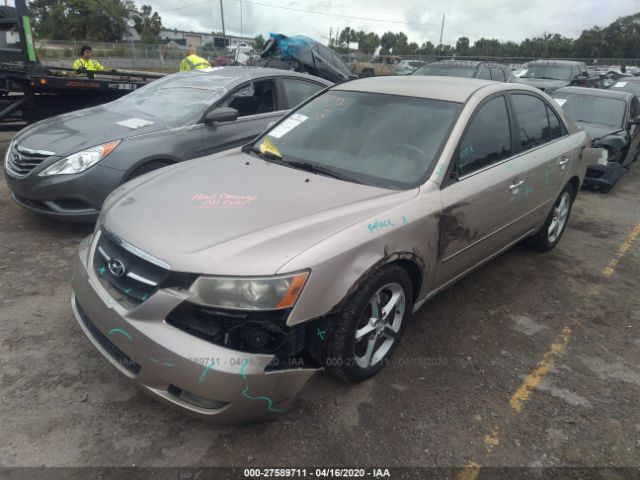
(491, 439)
(532, 380)
(469, 472)
(557, 349)
(622, 250)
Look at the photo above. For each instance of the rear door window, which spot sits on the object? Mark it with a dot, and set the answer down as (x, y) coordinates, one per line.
(298, 91)
(487, 139)
(498, 75)
(484, 74)
(533, 122)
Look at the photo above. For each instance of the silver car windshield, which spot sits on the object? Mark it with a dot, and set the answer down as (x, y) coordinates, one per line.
(176, 100)
(444, 70)
(592, 109)
(545, 71)
(377, 139)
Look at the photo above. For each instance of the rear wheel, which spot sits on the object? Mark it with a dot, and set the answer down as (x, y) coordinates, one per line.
(551, 232)
(367, 331)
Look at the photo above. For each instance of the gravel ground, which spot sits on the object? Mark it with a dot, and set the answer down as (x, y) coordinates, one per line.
(443, 401)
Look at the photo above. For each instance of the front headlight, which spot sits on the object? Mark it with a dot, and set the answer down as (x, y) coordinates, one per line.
(8, 152)
(271, 293)
(81, 161)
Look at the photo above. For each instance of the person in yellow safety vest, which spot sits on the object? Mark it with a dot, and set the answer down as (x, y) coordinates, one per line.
(193, 61)
(85, 65)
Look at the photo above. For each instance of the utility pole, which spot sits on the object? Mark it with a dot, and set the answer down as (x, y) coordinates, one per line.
(441, 30)
(224, 34)
(240, 18)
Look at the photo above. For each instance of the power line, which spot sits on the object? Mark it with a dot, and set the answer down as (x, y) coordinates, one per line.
(316, 12)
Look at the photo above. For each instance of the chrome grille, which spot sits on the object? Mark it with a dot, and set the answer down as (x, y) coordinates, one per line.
(22, 160)
(141, 276)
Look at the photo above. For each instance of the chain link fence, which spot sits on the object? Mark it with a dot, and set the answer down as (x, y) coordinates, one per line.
(167, 57)
(118, 54)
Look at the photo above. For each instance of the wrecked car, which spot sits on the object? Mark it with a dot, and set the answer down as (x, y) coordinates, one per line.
(303, 54)
(64, 167)
(550, 75)
(612, 120)
(224, 285)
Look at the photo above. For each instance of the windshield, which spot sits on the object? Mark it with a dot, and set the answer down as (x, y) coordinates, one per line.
(176, 100)
(376, 139)
(625, 86)
(592, 109)
(545, 71)
(446, 70)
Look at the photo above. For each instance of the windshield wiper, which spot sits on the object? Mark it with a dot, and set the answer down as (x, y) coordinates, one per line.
(319, 169)
(583, 121)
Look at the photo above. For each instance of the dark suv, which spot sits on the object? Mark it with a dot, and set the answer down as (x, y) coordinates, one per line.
(466, 68)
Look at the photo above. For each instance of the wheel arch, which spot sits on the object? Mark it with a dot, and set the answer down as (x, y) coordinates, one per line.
(575, 183)
(167, 159)
(408, 261)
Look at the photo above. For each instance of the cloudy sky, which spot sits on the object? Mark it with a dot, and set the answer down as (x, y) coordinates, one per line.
(420, 20)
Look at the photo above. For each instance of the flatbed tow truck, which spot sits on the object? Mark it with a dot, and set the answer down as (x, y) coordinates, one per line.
(31, 91)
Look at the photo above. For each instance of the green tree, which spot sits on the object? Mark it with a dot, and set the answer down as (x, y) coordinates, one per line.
(462, 46)
(148, 24)
(387, 41)
(427, 48)
(97, 20)
(258, 43)
(369, 43)
(401, 45)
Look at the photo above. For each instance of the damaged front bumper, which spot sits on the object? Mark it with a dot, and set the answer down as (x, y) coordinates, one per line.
(211, 381)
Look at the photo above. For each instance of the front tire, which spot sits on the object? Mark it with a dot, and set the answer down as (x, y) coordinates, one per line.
(367, 331)
(551, 232)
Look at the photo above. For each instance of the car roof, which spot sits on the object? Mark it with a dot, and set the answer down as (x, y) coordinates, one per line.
(240, 72)
(596, 92)
(462, 63)
(452, 89)
(556, 62)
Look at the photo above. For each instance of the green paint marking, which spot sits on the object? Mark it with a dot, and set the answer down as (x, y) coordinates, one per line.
(321, 333)
(154, 360)
(120, 331)
(245, 392)
(204, 372)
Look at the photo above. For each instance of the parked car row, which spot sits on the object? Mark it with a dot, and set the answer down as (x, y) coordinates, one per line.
(222, 284)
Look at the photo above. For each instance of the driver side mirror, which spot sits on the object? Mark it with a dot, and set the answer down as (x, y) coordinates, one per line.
(224, 114)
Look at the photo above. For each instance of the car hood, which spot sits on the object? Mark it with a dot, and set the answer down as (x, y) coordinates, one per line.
(71, 132)
(234, 214)
(597, 131)
(546, 85)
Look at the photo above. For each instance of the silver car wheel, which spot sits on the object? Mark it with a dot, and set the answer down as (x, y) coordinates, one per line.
(380, 324)
(560, 214)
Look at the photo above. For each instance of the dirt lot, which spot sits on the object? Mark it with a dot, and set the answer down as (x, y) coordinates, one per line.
(534, 360)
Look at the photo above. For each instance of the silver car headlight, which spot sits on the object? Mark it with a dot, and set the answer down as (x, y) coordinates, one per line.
(8, 152)
(267, 293)
(80, 161)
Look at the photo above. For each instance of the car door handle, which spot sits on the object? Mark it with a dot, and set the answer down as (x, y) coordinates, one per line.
(516, 185)
(563, 162)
